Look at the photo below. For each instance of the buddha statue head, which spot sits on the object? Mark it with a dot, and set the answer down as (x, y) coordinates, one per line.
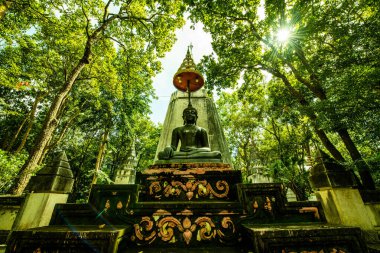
(190, 116)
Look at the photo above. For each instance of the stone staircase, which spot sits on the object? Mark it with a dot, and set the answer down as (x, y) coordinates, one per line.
(197, 207)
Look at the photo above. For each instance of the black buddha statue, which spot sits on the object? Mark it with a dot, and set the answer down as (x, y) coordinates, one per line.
(194, 140)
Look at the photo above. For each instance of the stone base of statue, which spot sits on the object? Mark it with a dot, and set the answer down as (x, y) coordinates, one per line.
(206, 181)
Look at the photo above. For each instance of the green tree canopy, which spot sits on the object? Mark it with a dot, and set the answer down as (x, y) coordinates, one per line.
(328, 64)
(79, 62)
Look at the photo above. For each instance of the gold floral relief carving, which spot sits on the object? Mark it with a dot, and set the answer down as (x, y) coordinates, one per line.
(201, 187)
(144, 230)
(226, 223)
(167, 224)
(154, 187)
(207, 229)
(203, 228)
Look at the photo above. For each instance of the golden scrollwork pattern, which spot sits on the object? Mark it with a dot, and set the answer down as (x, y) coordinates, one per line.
(144, 231)
(226, 231)
(154, 187)
(199, 188)
(207, 229)
(171, 229)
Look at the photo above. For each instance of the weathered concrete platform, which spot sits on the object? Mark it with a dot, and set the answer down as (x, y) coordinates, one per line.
(321, 238)
(103, 239)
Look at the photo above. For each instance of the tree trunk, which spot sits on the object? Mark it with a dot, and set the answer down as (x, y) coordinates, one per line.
(328, 144)
(277, 135)
(12, 142)
(100, 157)
(298, 191)
(74, 195)
(30, 123)
(46, 133)
(49, 146)
(51, 118)
(27, 117)
(318, 91)
(68, 124)
(363, 168)
(302, 100)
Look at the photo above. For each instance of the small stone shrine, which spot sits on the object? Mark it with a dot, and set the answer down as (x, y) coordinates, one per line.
(190, 200)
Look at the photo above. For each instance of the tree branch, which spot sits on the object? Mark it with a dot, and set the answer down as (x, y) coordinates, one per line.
(87, 20)
(117, 41)
(106, 10)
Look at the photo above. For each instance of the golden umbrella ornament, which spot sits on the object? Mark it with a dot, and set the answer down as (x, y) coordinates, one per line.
(188, 78)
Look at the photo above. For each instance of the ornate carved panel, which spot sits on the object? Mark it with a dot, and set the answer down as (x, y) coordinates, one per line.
(191, 188)
(186, 230)
(195, 184)
(266, 203)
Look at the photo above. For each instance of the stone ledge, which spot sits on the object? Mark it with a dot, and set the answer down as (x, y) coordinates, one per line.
(189, 165)
(68, 239)
(305, 238)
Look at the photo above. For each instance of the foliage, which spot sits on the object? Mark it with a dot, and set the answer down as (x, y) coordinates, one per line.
(77, 76)
(266, 140)
(146, 144)
(9, 166)
(87, 67)
(326, 73)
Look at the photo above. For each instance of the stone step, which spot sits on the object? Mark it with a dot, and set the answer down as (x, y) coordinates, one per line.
(88, 214)
(180, 236)
(106, 239)
(185, 250)
(99, 239)
(304, 238)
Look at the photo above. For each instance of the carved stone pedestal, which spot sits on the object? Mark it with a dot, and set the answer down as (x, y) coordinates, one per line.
(187, 204)
(189, 182)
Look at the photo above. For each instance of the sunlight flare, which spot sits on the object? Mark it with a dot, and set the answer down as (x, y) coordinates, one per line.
(283, 35)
